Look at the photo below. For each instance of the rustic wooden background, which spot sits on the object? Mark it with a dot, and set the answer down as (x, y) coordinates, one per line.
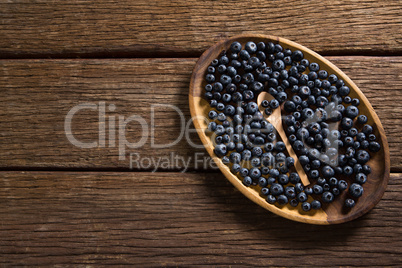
(62, 205)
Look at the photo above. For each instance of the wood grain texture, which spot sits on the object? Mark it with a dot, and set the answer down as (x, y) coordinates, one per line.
(150, 27)
(36, 96)
(174, 219)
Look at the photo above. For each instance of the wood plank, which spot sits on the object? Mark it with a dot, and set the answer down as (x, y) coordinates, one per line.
(174, 219)
(36, 96)
(149, 28)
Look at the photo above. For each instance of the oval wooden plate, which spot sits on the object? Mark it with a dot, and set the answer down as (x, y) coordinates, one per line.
(334, 212)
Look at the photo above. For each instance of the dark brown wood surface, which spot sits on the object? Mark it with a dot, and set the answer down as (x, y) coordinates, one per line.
(188, 27)
(37, 95)
(61, 205)
(176, 219)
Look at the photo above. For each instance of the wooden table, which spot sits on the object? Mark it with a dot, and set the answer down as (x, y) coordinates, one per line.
(65, 205)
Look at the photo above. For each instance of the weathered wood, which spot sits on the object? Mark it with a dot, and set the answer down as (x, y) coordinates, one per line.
(36, 96)
(149, 28)
(174, 219)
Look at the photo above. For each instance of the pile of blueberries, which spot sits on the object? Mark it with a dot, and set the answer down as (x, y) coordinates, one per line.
(321, 120)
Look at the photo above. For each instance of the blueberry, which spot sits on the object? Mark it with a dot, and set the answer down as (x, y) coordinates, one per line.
(347, 99)
(302, 197)
(297, 55)
(283, 179)
(333, 182)
(282, 200)
(262, 182)
(274, 104)
(339, 83)
(326, 187)
(314, 174)
(332, 78)
(348, 170)
(366, 169)
(346, 123)
(362, 156)
(349, 203)
(254, 62)
(255, 161)
(247, 181)
(367, 129)
(248, 95)
(361, 178)
(225, 79)
(265, 191)
(335, 191)
(351, 111)
(290, 192)
(313, 154)
(252, 108)
(356, 190)
(353, 132)
(244, 55)
(327, 197)
(290, 121)
(372, 137)
(235, 157)
(244, 172)
(315, 204)
(246, 155)
(278, 48)
(317, 189)
(314, 67)
(235, 168)
(212, 126)
(225, 160)
(219, 139)
(265, 103)
(298, 145)
(278, 65)
(308, 190)
(276, 189)
(321, 181)
(294, 178)
(350, 152)
(220, 150)
(281, 96)
(362, 119)
(274, 173)
(306, 206)
(302, 134)
(230, 146)
(287, 60)
(235, 47)
(268, 111)
(271, 199)
(328, 171)
(221, 117)
(344, 90)
(304, 92)
(255, 173)
(322, 74)
(293, 202)
(374, 146)
(355, 102)
(224, 60)
(234, 56)
(307, 113)
(251, 47)
(290, 162)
